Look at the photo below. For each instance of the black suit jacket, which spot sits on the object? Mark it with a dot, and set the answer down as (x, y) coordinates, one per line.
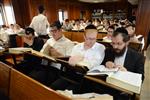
(134, 61)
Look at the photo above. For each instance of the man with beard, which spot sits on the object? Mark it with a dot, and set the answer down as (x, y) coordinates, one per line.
(120, 55)
(123, 57)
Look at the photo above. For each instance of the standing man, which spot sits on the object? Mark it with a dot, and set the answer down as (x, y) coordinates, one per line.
(40, 23)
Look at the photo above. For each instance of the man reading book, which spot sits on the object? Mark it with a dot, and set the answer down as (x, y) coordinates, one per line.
(120, 55)
(88, 53)
(57, 46)
(123, 57)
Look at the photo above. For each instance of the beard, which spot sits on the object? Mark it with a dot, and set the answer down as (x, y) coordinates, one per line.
(118, 52)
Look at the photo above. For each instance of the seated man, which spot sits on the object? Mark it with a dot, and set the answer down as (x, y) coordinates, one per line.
(57, 46)
(110, 31)
(120, 55)
(88, 53)
(30, 41)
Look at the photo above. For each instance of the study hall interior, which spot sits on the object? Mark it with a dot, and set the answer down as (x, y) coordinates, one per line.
(74, 49)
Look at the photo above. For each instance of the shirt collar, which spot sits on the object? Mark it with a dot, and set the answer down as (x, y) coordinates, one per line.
(93, 47)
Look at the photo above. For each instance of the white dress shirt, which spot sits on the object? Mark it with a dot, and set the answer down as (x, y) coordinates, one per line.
(40, 24)
(120, 60)
(91, 57)
(63, 46)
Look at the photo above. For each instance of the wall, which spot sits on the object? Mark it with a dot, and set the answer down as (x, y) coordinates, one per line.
(25, 10)
(143, 20)
(21, 11)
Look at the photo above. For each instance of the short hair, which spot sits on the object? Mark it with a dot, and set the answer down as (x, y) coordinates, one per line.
(112, 27)
(91, 26)
(56, 24)
(123, 32)
(132, 25)
(67, 20)
(41, 9)
(29, 30)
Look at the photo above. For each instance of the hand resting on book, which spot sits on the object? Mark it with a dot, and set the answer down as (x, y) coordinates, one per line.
(111, 65)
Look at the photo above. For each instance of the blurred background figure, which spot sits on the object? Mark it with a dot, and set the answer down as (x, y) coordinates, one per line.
(67, 26)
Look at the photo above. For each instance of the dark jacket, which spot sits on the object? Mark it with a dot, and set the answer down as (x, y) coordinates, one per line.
(134, 61)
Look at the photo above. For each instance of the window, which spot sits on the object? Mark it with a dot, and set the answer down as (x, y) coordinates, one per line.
(6, 15)
(62, 15)
(2, 20)
(9, 15)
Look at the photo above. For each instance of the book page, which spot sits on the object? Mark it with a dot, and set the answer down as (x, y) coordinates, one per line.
(98, 70)
(42, 55)
(128, 77)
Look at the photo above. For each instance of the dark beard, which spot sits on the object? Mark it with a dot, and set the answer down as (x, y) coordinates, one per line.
(118, 54)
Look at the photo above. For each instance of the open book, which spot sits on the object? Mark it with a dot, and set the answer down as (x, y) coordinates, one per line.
(98, 70)
(85, 96)
(126, 80)
(40, 54)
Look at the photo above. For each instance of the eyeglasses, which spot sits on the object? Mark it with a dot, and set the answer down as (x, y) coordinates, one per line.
(89, 38)
(54, 31)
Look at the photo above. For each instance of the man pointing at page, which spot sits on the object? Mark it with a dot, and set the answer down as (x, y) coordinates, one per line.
(123, 57)
(120, 55)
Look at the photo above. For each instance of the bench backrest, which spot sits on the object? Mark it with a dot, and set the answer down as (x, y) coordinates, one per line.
(4, 78)
(23, 87)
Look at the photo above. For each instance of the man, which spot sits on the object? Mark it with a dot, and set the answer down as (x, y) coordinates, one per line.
(89, 53)
(110, 31)
(67, 26)
(123, 57)
(40, 23)
(57, 46)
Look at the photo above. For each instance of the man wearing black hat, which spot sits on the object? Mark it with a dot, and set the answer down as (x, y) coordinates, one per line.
(123, 57)
(40, 23)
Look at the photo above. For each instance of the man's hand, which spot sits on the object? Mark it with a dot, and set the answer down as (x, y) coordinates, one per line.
(55, 53)
(121, 68)
(110, 64)
(75, 59)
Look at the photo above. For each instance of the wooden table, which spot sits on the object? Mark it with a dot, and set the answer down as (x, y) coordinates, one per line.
(103, 82)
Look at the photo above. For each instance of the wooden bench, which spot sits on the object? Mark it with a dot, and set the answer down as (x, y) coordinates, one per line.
(24, 88)
(78, 36)
(4, 78)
